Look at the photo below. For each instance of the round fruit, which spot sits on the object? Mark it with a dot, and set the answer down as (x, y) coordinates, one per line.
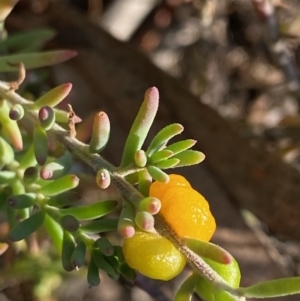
(229, 272)
(184, 209)
(153, 256)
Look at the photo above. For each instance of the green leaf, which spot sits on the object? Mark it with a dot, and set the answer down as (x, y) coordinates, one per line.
(6, 152)
(208, 250)
(93, 277)
(28, 40)
(157, 174)
(141, 126)
(35, 60)
(163, 136)
(186, 290)
(53, 97)
(100, 226)
(274, 288)
(102, 263)
(60, 185)
(101, 132)
(92, 211)
(160, 156)
(181, 146)
(104, 245)
(189, 157)
(22, 201)
(78, 255)
(64, 199)
(54, 231)
(40, 144)
(68, 247)
(166, 164)
(27, 226)
(69, 223)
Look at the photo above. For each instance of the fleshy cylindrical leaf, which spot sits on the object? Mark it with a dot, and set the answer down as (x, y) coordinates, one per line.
(92, 211)
(68, 247)
(40, 144)
(69, 223)
(181, 146)
(16, 112)
(102, 263)
(163, 136)
(54, 231)
(55, 169)
(28, 159)
(160, 156)
(141, 126)
(101, 132)
(64, 199)
(34, 59)
(60, 185)
(100, 226)
(274, 288)
(126, 221)
(78, 255)
(7, 177)
(103, 178)
(46, 117)
(6, 152)
(157, 174)
(10, 127)
(93, 277)
(208, 250)
(166, 164)
(54, 96)
(27, 226)
(22, 200)
(104, 245)
(189, 157)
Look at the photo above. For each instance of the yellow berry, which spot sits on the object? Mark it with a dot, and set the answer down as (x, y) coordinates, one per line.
(153, 256)
(184, 209)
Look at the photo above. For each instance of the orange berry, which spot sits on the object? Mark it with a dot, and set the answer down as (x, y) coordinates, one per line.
(153, 256)
(184, 209)
(158, 188)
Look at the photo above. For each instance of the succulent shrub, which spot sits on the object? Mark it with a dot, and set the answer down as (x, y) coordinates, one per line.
(163, 221)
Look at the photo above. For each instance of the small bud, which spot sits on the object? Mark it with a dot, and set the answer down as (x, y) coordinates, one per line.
(140, 158)
(126, 221)
(145, 221)
(46, 117)
(101, 132)
(151, 205)
(16, 112)
(103, 178)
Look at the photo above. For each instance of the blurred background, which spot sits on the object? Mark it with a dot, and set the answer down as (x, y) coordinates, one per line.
(229, 72)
